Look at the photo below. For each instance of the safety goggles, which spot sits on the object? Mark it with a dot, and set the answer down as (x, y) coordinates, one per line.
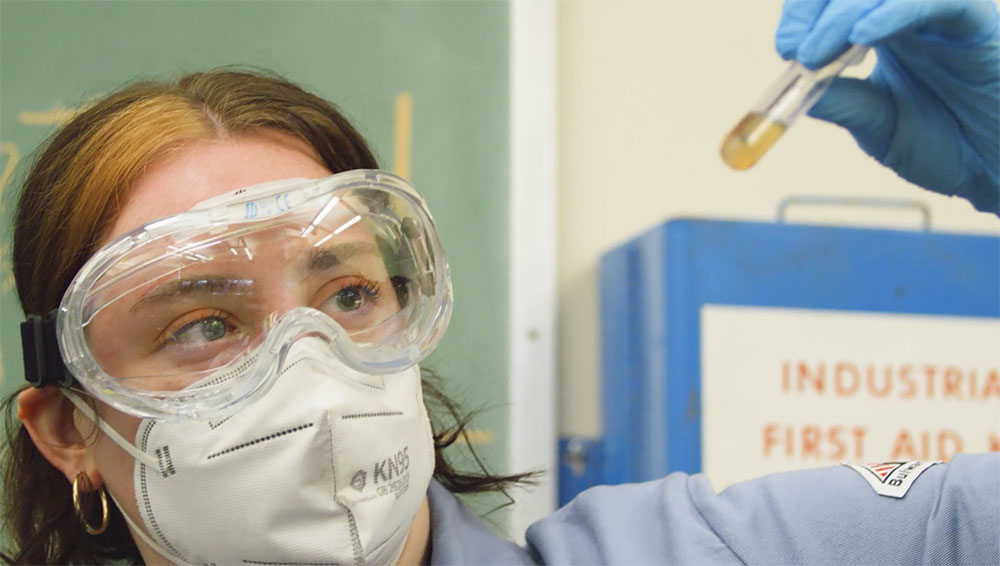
(192, 314)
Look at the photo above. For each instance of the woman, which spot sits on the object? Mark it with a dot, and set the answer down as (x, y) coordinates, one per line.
(243, 301)
(154, 150)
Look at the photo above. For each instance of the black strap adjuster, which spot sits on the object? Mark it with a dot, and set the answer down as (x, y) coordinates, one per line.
(43, 365)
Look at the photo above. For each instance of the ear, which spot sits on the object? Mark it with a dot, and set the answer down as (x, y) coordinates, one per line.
(48, 417)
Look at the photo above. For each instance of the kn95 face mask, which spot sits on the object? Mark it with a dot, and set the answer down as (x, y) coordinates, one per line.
(329, 466)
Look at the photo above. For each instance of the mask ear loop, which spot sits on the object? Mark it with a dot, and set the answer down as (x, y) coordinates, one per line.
(140, 456)
(113, 434)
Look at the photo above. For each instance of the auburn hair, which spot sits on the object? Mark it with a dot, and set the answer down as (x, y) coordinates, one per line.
(73, 193)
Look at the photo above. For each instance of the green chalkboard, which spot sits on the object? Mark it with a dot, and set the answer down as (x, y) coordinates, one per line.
(440, 67)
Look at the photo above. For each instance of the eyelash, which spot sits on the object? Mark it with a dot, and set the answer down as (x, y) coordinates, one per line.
(170, 334)
(365, 285)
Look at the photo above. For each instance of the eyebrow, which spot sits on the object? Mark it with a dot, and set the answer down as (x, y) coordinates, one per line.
(318, 260)
(325, 258)
(201, 284)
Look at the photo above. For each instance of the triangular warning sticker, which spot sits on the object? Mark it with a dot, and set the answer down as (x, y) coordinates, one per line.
(892, 479)
(883, 470)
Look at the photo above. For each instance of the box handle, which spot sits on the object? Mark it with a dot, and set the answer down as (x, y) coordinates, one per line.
(921, 207)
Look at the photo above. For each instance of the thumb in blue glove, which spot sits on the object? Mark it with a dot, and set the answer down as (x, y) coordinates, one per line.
(931, 108)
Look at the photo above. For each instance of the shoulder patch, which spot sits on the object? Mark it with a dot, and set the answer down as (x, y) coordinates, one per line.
(891, 479)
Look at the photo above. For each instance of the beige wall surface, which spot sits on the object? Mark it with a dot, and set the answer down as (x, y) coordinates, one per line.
(647, 90)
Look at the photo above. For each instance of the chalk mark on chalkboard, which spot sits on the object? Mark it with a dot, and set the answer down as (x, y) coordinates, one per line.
(58, 115)
(403, 134)
(475, 436)
(13, 154)
(6, 270)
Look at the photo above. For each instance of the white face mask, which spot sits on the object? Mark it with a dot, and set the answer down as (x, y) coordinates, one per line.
(328, 467)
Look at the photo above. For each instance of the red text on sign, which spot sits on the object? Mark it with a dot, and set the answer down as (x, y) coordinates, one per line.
(821, 443)
(896, 381)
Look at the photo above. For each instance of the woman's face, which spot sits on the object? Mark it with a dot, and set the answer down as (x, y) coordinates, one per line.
(174, 183)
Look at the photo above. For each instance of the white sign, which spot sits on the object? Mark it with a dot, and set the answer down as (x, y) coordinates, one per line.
(788, 388)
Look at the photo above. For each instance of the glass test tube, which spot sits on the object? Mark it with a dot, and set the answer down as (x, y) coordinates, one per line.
(792, 94)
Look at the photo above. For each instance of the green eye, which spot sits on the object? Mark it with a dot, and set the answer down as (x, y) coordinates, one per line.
(349, 299)
(353, 294)
(198, 328)
(212, 328)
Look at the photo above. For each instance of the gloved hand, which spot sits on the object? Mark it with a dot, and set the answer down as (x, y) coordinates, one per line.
(931, 108)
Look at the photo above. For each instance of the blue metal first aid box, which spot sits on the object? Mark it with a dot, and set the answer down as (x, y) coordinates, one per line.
(652, 289)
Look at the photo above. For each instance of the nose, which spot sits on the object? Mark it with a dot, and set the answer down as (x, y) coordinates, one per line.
(301, 322)
(283, 291)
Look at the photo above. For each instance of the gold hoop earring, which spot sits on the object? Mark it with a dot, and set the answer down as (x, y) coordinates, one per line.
(105, 515)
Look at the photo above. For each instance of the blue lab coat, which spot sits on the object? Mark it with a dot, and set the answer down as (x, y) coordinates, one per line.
(950, 515)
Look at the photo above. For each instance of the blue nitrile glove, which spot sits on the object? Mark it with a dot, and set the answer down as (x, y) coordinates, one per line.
(931, 108)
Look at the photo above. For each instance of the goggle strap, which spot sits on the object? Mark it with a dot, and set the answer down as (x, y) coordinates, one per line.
(146, 538)
(113, 434)
(43, 364)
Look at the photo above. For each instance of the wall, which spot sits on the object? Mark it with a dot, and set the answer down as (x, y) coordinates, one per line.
(647, 90)
(449, 60)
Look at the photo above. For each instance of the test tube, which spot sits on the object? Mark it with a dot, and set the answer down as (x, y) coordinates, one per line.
(792, 94)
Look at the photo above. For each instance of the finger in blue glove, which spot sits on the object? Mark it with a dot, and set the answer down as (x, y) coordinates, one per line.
(931, 108)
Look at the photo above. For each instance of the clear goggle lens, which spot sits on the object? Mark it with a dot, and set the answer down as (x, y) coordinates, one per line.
(187, 297)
